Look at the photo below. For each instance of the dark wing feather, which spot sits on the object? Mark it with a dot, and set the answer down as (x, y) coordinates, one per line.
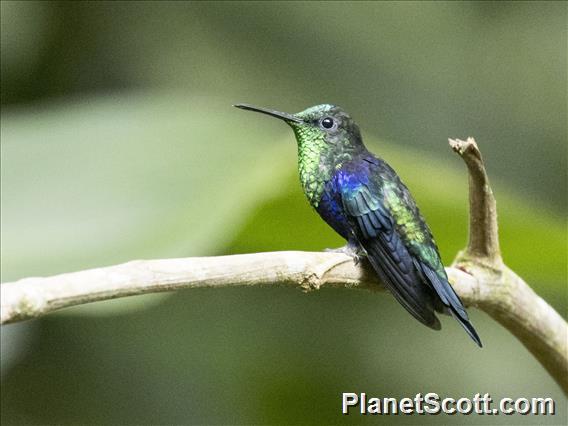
(411, 270)
(386, 252)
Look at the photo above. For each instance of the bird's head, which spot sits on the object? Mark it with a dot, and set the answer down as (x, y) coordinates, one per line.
(321, 127)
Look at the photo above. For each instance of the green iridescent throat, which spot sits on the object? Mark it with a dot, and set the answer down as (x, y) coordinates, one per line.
(312, 167)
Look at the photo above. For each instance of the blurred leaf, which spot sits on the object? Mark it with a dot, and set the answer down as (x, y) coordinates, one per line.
(411, 72)
(113, 179)
(25, 33)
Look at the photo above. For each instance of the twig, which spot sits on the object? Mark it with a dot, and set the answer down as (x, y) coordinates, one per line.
(478, 275)
(483, 230)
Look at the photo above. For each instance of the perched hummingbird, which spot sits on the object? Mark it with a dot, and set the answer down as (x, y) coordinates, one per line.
(362, 198)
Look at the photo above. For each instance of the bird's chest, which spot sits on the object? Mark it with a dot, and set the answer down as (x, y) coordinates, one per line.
(330, 208)
(316, 170)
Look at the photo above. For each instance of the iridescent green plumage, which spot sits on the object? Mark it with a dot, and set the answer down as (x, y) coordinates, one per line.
(362, 198)
(318, 156)
(312, 176)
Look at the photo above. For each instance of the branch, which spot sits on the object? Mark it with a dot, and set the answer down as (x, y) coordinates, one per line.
(478, 275)
(483, 233)
(507, 298)
(34, 297)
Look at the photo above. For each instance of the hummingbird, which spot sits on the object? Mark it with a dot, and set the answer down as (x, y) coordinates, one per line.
(364, 200)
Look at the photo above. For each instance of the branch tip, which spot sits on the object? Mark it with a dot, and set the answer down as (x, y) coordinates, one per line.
(483, 241)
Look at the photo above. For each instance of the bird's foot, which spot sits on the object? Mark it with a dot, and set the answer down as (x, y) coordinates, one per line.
(350, 250)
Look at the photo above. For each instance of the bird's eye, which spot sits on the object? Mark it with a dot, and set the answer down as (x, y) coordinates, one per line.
(327, 122)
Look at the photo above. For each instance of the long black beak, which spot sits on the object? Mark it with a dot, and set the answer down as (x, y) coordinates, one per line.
(281, 115)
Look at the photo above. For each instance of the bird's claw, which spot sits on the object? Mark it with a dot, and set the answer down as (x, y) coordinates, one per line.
(349, 250)
(335, 250)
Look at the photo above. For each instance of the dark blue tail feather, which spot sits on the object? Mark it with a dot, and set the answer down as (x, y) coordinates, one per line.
(451, 301)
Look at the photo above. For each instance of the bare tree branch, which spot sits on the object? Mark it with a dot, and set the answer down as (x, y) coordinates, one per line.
(33, 297)
(478, 275)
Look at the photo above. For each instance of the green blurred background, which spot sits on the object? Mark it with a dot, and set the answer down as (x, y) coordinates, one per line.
(119, 142)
